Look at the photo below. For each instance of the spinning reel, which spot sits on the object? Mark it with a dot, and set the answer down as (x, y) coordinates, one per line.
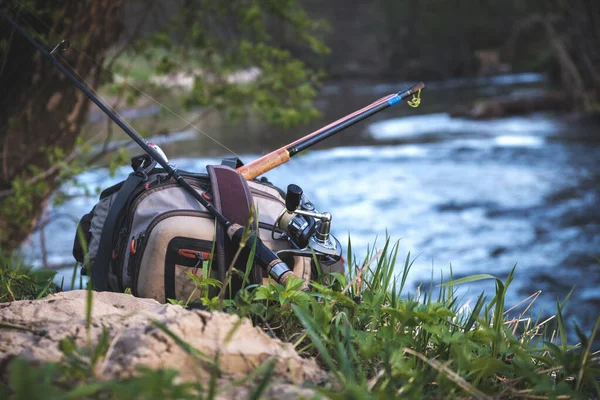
(307, 229)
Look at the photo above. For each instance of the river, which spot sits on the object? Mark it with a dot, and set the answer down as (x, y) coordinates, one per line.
(479, 196)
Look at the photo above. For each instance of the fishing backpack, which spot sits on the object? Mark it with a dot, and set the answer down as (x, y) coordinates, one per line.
(147, 233)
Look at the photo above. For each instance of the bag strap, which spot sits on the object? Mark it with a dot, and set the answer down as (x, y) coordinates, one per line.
(101, 265)
(232, 198)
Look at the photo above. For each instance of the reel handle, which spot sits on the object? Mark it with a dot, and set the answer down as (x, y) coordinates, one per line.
(293, 197)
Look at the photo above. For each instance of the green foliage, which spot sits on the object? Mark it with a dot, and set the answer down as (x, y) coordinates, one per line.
(120, 158)
(29, 188)
(26, 193)
(375, 340)
(231, 49)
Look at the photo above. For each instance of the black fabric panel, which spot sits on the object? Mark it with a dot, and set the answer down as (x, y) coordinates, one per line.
(104, 256)
(83, 229)
(173, 258)
(170, 261)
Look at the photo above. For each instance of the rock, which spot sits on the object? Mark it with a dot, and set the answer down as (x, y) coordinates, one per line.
(134, 341)
(489, 62)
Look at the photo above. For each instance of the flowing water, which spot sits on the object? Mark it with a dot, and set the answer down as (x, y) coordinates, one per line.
(481, 196)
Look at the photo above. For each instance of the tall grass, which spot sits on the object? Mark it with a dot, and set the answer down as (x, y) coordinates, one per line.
(374, 340)
(19, 281)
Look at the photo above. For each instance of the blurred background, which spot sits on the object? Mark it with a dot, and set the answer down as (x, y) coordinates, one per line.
(497, 167)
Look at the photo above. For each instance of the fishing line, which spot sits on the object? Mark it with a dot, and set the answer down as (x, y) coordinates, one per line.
(89, 87)
(190, 124)
(74, 71)
(126, 82)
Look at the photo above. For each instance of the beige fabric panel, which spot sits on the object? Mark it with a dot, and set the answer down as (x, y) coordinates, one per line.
(267, 202)
(151, 278)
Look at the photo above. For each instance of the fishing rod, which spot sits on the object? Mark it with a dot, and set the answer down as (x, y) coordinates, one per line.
(264, 257)
(283, 154)
(309, 229)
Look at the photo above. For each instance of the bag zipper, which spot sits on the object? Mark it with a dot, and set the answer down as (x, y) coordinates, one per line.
(267, 196)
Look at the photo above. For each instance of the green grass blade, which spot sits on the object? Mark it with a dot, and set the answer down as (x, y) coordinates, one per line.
(586, 354)
(469, 279)
(315, 332)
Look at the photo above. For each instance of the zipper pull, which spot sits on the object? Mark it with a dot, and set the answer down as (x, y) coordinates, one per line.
(139, 240)
(198, 263)
(134, 246)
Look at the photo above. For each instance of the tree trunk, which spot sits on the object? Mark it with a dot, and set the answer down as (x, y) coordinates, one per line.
(41, 112)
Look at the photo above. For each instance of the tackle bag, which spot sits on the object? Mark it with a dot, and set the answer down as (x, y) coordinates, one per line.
(147, 233)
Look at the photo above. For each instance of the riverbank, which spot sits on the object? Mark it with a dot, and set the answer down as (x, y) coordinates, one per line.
(368, 336)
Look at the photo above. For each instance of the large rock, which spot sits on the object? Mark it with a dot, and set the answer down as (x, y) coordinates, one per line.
(135, 341)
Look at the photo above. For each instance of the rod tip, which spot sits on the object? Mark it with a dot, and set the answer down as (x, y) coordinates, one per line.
(417, 87)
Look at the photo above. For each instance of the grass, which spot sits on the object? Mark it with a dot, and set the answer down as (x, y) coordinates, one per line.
(20, 282)
(374, 339)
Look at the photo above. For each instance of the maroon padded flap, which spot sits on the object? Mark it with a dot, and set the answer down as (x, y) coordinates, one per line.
(232, 198)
